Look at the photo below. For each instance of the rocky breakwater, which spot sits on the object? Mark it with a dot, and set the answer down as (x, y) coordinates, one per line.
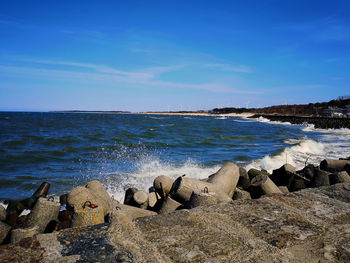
(233, 215)
(319, 122)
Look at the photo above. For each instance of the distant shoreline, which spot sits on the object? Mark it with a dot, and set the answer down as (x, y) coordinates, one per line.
(243, 115)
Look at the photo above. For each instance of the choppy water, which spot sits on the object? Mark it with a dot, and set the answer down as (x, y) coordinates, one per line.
(124, 150)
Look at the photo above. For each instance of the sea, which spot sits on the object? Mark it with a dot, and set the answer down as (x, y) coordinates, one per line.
(130, 150)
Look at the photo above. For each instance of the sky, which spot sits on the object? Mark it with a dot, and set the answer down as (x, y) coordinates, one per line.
(171, 55)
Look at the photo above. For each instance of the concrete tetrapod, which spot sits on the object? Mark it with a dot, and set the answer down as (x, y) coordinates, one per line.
(169, 205)
(183, 187)
(339, 177)
(163, 183)
(88, 216)
(333, 165)
(100, 191)
(43, 213)
(226, 179)
(262, 184)
(126, 212)
(241, 194)
(141, 199)
(321, 178)
(200, 198)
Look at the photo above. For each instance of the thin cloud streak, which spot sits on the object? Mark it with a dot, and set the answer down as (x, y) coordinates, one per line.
(226, 67)
(110, 76)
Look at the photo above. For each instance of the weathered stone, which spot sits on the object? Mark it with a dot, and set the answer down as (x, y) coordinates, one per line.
(4, 231)
(2, 213)
(43, 213)
(20, 233)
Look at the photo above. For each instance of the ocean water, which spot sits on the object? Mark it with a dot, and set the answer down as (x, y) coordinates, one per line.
(124, 150)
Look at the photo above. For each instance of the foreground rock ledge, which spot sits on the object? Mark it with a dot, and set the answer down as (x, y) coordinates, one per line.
(312, 225)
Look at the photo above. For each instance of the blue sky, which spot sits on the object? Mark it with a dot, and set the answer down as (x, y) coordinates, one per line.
(160, 55)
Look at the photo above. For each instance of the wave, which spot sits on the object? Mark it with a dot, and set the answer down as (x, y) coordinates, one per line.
(332, 143)
(147, 170)
(308, 151)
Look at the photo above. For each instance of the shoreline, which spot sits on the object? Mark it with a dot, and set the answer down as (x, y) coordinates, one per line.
(318, 122)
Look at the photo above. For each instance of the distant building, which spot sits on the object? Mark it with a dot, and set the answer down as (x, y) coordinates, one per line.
(335, 112)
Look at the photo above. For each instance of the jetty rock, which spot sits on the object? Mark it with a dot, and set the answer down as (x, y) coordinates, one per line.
(311, 225)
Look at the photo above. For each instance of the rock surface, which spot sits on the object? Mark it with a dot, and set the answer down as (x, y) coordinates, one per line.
(312, 225)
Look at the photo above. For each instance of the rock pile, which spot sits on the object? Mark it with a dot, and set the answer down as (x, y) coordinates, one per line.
(91, 205)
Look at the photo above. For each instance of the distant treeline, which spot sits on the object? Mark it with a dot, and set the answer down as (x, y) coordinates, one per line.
(311, 109)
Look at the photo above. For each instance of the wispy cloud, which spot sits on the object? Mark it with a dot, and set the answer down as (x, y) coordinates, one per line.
(76, 72)
(326, 29)
(227, 67)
